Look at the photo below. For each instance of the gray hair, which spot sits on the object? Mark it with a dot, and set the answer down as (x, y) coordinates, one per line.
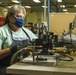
(15, 8)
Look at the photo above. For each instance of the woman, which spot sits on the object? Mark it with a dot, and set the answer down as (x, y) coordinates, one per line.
(13, 36)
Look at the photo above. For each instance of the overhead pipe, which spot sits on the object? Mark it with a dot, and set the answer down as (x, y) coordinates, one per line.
(44, 10)
(57, 10)
(49, 10)
(20, 2)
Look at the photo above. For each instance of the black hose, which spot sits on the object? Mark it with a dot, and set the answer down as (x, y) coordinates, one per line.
(63, 57)
(19, 55)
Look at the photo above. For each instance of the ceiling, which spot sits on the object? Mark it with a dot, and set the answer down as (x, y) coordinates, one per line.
(37, 7)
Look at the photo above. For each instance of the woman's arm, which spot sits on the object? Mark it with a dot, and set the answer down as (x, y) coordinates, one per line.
(4, 53)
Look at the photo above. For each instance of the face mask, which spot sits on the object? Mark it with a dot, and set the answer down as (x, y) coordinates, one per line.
(19, 22)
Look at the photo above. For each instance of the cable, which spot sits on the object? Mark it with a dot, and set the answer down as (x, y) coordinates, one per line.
(19, 55)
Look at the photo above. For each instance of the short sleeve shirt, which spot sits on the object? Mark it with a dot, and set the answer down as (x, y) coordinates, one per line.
(6, 38)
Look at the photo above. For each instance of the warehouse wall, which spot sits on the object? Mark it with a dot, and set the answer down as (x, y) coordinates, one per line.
(34, 17)
(31, 17)
(3, 12)
(60, 22)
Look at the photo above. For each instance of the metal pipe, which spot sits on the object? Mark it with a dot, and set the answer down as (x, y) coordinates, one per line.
(20, 2)
(44, 10)
(49, 10)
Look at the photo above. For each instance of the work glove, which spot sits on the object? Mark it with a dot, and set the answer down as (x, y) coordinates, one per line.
(15, 46)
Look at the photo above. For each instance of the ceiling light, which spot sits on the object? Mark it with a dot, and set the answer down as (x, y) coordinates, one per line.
(59, 0)
(9, 6)
(44, 6)
(66, 12)
(74, 5)
(64, 9)
(15, 1)
(62, 6)
(0, 2)
(27, 7)
(37, 1)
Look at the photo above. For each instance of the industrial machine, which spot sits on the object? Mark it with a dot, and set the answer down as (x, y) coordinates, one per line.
(69, 38)
(46, 45)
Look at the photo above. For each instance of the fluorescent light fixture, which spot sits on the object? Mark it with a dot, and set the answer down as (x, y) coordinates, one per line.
(27, 7)
(59, 0)
(15, 1)
(62, 6)
(44, 6)
(65, 10)
(74, 5)
(37, 1)
(0, 2)
(9, 6)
